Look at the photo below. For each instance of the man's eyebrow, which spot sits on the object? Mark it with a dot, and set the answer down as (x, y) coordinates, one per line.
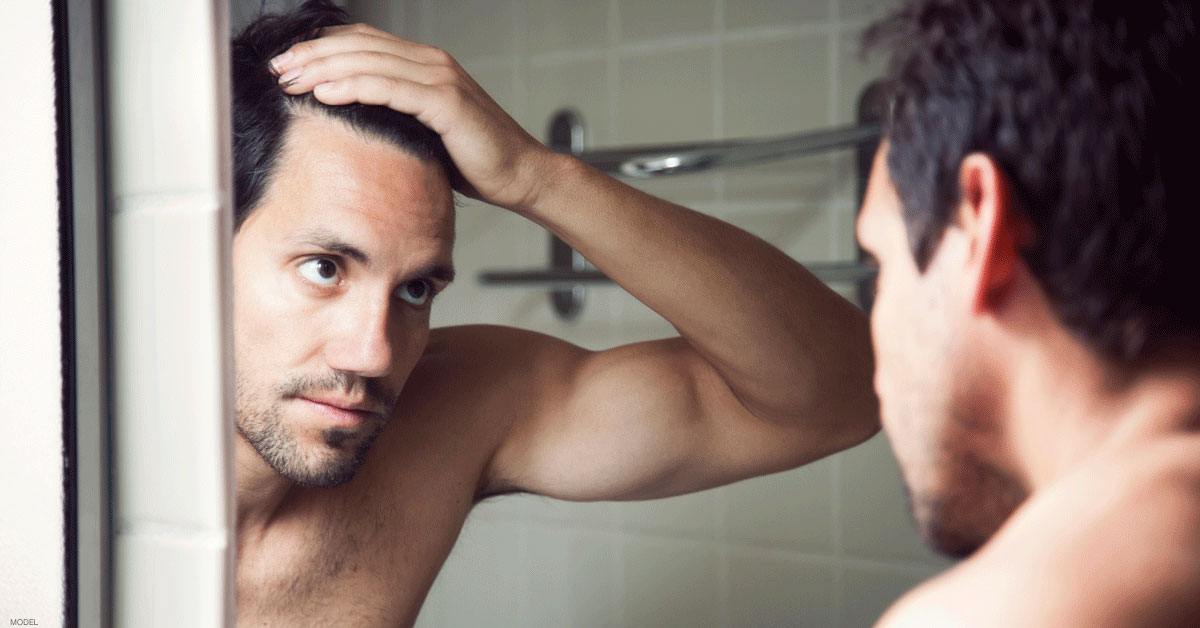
(329, 241)
(439, 271)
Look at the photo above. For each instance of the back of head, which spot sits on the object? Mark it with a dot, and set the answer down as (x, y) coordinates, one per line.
(1087, 107)
(262, 111)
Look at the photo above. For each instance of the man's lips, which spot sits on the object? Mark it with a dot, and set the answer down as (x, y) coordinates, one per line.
(343, 413)
(354, 406)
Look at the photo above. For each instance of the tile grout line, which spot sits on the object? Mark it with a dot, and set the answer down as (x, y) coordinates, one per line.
(665, 44)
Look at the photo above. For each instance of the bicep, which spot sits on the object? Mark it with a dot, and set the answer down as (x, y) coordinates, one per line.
(640, 421)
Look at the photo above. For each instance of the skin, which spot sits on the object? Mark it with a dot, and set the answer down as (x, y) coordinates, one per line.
(770, 370)
(1072, 484)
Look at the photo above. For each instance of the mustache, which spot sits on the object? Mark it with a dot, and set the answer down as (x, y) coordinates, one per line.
(374, 390)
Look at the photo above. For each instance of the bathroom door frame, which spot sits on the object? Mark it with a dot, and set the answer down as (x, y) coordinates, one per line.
(83, 242)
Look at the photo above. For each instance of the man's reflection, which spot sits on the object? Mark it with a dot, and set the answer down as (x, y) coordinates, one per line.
(349, 496)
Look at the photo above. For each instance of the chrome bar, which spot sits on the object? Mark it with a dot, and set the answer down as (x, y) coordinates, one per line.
(831, 272)
(640, 162)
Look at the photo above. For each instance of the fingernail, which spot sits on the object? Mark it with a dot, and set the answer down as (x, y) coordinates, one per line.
(280, 62)
(290, 77)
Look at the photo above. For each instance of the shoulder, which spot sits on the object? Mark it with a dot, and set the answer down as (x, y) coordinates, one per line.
(482, 377)
(1129, 552)
(466, 367)
(1115, 544)
(460, 402)
(493, 355)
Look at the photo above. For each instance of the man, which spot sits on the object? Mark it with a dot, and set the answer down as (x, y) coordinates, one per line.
(366, 437)
(1036, 331)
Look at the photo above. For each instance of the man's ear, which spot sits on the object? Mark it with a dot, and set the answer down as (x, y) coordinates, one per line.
(994, 230)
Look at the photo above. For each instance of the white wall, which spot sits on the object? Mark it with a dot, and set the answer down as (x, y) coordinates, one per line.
(170, 208)
(31, 518)
(831, 544)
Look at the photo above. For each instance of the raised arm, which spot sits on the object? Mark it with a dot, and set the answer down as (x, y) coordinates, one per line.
(771, 369)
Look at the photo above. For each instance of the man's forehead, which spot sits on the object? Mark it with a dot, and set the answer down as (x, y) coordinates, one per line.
(335, 162)
(336, 191)
(327, 171)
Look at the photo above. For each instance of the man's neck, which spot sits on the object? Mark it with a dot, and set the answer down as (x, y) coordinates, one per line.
(1067, 405)
(261, 491)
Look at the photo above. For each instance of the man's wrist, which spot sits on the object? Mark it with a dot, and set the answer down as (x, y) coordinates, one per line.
(551, 174)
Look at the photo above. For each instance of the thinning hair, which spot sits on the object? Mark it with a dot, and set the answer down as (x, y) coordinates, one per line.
(262, 111)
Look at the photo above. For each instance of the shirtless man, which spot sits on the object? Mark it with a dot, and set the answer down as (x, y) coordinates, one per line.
(366, 438)
(1036, 326)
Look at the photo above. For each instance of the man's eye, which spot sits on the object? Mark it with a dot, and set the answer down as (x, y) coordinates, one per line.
(416, 292)
(321, 271)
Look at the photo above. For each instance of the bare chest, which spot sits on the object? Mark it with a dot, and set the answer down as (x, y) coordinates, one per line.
(347, 564)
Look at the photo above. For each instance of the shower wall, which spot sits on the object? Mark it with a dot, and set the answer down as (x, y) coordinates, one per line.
(830, 544)
(169, 208)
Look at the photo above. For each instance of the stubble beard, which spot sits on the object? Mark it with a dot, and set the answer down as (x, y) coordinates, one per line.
(962, 494)
(975, 502)
(262, 425)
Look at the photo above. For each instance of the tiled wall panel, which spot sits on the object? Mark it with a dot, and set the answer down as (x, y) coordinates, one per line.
(170, 224)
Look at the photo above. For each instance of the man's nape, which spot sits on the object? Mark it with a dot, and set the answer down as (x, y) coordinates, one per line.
(1064, 384)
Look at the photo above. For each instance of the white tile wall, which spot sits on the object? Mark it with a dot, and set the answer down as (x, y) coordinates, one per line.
(556, 25)
(170, 225)
(868, 589)
(642, 20)
(830, 544)
(765, 13)
(671, 582)
(773, 588)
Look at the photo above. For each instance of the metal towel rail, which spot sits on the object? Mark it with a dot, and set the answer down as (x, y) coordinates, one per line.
(569, 273)
(641, 162)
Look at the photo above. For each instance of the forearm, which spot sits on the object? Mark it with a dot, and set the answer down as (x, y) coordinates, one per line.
(782, 340)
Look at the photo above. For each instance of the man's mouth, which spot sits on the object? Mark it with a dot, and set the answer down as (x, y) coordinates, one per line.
(343, 413)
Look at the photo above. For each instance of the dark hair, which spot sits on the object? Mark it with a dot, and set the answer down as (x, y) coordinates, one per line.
(1088, 108)
(262, 111)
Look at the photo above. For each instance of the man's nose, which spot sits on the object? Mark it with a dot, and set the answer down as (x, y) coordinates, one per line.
(363, 342)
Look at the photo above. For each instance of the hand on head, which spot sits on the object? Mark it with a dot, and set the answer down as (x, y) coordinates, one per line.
(500, 163)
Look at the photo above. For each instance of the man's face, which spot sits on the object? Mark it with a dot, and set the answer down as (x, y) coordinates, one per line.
(931, 379)
(334, 273)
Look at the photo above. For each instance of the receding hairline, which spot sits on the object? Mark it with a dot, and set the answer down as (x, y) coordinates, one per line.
(298, 109)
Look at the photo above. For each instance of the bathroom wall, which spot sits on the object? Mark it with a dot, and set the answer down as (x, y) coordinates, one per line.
(830, 544)
(169, 208)
(31, 419)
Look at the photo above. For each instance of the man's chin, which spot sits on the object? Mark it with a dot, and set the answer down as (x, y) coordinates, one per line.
(323, 479)
(339, 438)
(328, 474)
(343, 453)
(949, 541)
(958, 525)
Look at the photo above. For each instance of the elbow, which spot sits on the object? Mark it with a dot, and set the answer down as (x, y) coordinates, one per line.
(851, 422)
(849, 407)
(861, 404)
(860, 414)
(864, 423)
